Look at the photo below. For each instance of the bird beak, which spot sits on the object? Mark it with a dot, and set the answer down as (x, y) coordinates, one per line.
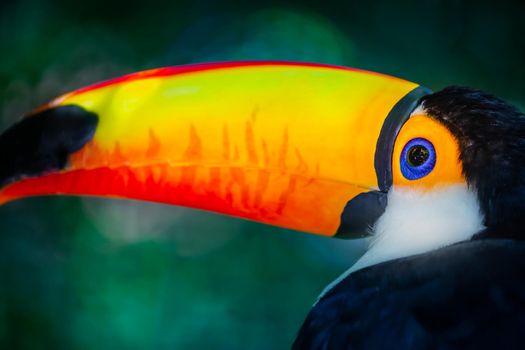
(302, 146)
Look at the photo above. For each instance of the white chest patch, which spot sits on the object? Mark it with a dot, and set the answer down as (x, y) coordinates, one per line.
(416, 222)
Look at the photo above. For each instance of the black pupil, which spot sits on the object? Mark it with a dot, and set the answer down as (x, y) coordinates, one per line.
(417, 155)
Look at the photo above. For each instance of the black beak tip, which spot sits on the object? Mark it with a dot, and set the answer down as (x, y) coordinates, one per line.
(42, 142)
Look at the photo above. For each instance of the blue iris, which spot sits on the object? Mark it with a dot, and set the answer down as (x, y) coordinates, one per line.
(417, 159)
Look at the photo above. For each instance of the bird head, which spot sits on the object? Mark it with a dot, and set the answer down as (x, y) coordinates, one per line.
(321, 149)
(458, 175)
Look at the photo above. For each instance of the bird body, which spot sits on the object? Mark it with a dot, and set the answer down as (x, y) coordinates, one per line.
(448, 273)
(470, 295)
(437, 180)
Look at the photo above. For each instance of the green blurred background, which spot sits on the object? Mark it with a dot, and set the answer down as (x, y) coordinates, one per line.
(96, 274)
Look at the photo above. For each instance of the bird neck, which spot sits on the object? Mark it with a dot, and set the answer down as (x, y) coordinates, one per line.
(416, 222)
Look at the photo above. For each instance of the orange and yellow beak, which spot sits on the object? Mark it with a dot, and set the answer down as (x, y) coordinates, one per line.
(300, 146)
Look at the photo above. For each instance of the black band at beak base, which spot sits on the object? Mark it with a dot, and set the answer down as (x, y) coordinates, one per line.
(361, 212)
(387, 137)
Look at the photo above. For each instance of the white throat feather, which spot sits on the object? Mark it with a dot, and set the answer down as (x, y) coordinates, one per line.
(417, 221)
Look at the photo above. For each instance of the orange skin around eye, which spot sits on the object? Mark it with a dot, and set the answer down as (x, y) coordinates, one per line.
(447, 171)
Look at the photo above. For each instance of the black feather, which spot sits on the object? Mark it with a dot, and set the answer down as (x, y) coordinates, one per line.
(467, 296)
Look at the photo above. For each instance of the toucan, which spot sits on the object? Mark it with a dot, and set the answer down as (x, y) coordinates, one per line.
(436, 180)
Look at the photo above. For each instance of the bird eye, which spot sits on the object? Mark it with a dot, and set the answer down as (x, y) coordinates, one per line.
(417, 159)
